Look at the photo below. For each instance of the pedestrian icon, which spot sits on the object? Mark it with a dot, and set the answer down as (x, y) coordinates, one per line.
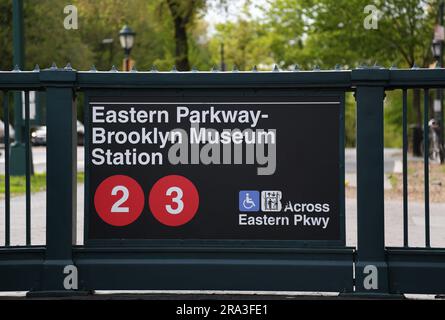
(271, 201)
(249, 200)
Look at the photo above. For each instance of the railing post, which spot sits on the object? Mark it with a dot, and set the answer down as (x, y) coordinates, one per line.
(371, 271)
(61, 179)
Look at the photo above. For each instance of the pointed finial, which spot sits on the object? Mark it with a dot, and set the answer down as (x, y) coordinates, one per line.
(36, 68)
(316, 68)
(276, 69)
(235, 68)
(254, 69)
(297, 67)
(438, 66)
(16, 68)
(68, 66)
(393, 67)
(194, 69)
(133, 68)
(93, 68)
(376, 66)
(153, 68)
(414, 66)
(113, 68)
(174, 69)
(214, 69)
(337, 67)
(53, 66)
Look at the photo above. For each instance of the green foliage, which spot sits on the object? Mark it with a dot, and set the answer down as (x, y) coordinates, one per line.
(393, 120)
(334, 32)
(245, 45)
(309, 33)
(350, 120)
(38, 183)
(5, 34)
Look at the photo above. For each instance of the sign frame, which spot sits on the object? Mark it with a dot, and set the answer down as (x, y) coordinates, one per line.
(271, 94)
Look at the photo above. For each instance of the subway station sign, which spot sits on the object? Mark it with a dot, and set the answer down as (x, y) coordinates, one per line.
(202, 168)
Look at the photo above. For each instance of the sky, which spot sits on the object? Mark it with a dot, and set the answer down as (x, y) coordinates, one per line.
(216, 14)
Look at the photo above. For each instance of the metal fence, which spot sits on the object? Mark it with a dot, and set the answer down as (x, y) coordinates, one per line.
(342, 269)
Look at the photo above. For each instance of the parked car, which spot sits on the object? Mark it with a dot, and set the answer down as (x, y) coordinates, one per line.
(2, 132)
(38, 137)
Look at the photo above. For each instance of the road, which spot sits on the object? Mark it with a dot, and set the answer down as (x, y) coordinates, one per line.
(392, 160)
(393, 221)
(394, 236)
(39, 159)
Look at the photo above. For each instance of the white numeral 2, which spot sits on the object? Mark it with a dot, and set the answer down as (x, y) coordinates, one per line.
(116, 208)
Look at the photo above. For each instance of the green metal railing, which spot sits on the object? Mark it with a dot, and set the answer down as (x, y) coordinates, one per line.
(400, 270)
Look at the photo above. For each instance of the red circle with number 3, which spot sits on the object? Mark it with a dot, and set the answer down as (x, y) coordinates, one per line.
(119, 200)
(173, 200)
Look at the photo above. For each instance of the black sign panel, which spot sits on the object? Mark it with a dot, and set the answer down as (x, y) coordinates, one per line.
(214, 169)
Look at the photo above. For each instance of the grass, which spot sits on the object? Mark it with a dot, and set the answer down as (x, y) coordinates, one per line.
(393, 179)
(38, 183)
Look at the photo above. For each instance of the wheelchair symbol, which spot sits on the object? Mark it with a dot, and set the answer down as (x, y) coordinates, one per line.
(249, 200)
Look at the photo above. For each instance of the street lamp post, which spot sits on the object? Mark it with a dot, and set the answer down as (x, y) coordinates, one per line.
(126, 37)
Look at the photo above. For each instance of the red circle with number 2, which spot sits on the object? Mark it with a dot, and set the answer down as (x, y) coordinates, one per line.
(173, 200)
(119, 200)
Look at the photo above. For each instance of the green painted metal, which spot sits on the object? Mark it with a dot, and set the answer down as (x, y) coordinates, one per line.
(236, 266)
(405, 166)
(7, 177)
(370, 196)
(18, 148)
(426, 169)
(61, 177)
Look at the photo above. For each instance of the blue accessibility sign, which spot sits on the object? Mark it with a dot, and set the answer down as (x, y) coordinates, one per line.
(249, 200)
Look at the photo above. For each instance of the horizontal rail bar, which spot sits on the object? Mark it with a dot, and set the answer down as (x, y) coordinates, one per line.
(418, 271)
(326, 270)
(328, 79)
(20, 80)
(347, 79)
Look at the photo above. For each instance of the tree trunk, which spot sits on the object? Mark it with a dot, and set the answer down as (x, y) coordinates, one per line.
(181, 51)
(181, 14)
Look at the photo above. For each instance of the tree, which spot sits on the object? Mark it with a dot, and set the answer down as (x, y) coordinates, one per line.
(246, 44)
(330, 32)
(6, 35)
(183, 14)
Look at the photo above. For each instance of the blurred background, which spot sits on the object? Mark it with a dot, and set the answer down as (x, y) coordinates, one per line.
(227, 34)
